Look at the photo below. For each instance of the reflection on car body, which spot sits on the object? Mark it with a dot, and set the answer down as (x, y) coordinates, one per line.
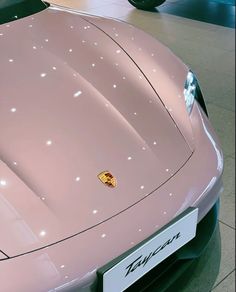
(89, 102)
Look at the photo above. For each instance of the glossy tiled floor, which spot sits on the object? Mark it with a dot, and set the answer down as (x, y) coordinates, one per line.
(211, 11)
(209, 50)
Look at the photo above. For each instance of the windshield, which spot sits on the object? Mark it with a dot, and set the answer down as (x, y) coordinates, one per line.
(11, 10)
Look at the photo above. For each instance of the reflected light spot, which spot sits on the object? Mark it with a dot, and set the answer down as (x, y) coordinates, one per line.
(103, 235)
(95, 211)
(3, 183)
(129, 158)
(43, 75)
(49, 143)
(11, 60)
(77, 178)
(13, 110)
(114, 85)
(78, 93)
(142, 187)
(62, 266)
(42, 233)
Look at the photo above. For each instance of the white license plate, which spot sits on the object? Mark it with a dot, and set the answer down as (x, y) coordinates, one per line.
(127, 269)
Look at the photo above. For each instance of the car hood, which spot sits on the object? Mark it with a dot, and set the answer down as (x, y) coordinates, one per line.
(73, 104)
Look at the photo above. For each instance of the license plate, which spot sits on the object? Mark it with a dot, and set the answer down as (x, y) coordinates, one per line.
(121, 273)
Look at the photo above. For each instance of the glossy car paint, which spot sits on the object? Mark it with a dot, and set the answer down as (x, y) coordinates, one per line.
(165, 72)
(68, 114)
(71, 123)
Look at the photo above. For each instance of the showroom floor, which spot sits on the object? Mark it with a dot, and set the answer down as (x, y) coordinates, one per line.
(207, 44)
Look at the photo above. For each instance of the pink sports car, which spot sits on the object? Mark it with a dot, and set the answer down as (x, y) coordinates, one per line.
(109, 167)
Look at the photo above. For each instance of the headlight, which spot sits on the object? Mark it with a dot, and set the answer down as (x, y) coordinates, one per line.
(190, 89)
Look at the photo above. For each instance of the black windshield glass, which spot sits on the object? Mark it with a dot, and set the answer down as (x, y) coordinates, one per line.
(14, 9)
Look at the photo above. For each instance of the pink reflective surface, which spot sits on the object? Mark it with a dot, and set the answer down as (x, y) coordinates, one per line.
(73, 103)
(73, 262)
(78, 106)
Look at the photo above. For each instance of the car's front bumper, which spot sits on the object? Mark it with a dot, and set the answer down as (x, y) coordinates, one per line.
(72, 264)
(165, 275)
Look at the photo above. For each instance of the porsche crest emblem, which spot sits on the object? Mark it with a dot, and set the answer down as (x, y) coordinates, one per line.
(107, 179)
